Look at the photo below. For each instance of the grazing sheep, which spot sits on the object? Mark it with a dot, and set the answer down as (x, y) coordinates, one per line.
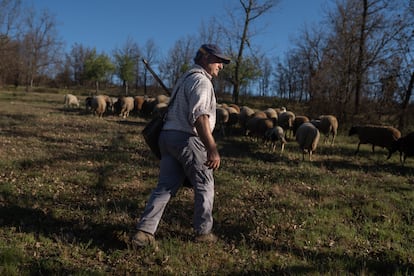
(160, 109)
(235, 106)
(233, 117)
(148, 106)
(70, 101)
(405, 145)
(328, 125)
(383, 136)
(297, 122)
(285, 121)
(245, 114)
(257, 127)
(307, 136)
(271, 114)
(222, 117)
(162, 99)
(88, 103)
(100, 104)
(273, 135)
(124, 105)
(138, 102)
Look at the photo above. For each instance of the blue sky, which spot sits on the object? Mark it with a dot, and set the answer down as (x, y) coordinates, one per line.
(106, 24)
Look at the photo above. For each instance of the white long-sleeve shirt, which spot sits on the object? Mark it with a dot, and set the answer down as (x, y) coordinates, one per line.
(195, 97)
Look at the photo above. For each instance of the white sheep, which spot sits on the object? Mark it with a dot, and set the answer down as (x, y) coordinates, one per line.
(285, 120)
(245, 114)
(383, 136)
(307, 136)
(405, 145)
(271, 114)
(222, 117)
(100, 104)
(70, 101)
(273, 135)
(328, 125)
(124, 105)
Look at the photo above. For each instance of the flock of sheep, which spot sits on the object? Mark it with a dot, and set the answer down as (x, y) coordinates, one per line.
(271, 126)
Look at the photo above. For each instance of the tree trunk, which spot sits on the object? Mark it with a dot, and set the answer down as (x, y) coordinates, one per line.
(405, 103)
(361, 55)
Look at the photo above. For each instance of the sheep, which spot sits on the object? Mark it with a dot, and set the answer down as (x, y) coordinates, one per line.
(383, 136)
(285, 120)
(148, 106)
(138, 102)
(405, 145)
(245, 114)
(160, 109)
(297, 122)
(124, 105)
(70, 101)
(162, 99)
(273, 135)
(88, 103)
(100, 104)
(307, 136)
(328, 125)
(233, 116)
(235, 106)
(257, 127)
(222, 117)
(271, 114)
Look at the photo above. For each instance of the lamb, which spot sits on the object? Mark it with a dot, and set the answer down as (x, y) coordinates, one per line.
(100, 104)
(405, 145)
(328, 125)
(307, 136)
(273, 135)
(383, 136)
(70, 101)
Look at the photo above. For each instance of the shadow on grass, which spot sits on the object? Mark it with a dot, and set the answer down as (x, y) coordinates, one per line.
(39, 222)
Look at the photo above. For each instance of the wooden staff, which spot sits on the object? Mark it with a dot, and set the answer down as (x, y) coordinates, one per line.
(156, 77)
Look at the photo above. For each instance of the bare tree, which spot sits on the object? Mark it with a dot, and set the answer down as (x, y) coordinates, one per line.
(242, 35)
(264, 80)
(76, 60)
(40, 44)
(10, 11)
(178, 60)
(150, 52)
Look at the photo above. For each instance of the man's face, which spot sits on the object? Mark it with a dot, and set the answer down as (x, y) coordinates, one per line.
(214, 65)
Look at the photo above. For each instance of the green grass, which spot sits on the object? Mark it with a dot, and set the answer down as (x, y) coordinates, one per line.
(72, 187)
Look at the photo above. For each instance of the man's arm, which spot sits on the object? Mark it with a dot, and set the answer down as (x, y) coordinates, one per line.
(202, 125)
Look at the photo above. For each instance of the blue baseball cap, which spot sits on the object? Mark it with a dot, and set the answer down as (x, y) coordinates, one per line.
(215, 51)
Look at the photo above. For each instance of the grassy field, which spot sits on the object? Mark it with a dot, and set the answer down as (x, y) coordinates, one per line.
(72, 187)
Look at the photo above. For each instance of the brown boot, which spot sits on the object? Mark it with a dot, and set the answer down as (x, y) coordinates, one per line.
(142, 239)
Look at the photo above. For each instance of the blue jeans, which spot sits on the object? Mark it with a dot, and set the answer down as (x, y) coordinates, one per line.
(182, 155)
